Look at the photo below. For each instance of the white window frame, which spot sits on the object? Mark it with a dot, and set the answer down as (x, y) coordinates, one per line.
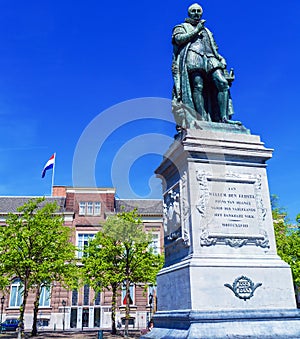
(82, 207)
(155, 243)
(131, 291)
(16, 299)
(151, 289)
(80, 249)
(90, 208)
(45, 296)
(97, 208)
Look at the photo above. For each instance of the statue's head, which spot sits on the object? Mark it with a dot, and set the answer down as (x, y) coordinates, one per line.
(195, 11)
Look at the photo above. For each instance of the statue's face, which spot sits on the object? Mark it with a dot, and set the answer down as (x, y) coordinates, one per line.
(195, 12)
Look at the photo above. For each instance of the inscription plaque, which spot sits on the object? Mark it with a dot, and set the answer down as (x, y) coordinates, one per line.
(231, 210)
(231, 207)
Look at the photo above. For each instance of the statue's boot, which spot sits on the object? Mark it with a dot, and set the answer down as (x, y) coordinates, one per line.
(199, 103)
(232, 122)
(223, 98)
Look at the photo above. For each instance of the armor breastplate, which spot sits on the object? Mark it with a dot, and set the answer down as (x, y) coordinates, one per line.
(202, 45)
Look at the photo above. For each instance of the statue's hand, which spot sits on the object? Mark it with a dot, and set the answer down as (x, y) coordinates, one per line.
(223, 63)
(199, 26)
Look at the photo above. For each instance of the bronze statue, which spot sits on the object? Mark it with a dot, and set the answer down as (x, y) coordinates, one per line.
(201, 81)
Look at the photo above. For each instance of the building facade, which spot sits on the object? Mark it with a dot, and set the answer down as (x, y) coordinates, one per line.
(84, 210)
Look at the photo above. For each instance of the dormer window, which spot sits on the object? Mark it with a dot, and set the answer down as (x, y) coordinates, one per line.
(90, 208)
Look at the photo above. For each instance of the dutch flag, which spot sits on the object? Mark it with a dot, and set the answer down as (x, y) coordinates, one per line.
(49, 164)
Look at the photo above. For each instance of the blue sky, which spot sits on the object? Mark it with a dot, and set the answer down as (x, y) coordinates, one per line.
(64, 63)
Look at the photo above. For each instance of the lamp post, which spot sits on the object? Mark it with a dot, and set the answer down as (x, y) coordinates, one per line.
(2, 304)
(64, 303)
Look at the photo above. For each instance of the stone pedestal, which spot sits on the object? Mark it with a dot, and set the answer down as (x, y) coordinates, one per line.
(222, 277)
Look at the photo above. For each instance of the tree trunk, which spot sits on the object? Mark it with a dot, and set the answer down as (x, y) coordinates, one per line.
(127, 307)
(22, 311)
(34, 330)
(113, 309)
(127, 291)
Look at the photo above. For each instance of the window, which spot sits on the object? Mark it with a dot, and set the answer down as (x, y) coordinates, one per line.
(73, 318)
(89, 208)
(151, 295)
(131, 321)
(86, 294)
(131, 294)
(155, 243)
(97, 208)
(43, 322)
(81, 208)
(16, 293)
(82, 242)
(97, 298)
(97, 311)
(74, 297)
(45, 296)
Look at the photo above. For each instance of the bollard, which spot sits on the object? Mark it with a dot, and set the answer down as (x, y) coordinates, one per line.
(100, 334)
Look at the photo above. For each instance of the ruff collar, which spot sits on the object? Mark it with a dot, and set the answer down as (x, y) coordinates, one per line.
(192, 21)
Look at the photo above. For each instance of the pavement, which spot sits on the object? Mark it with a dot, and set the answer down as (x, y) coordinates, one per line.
(72, 335)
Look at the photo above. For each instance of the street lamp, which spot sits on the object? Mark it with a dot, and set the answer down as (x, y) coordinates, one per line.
(2, 304)
(64, 303)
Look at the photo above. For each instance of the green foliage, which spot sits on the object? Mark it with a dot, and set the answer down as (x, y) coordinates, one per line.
(120, 254)
(35, 247)
(288, 241)
(102, 262)
(298, 219)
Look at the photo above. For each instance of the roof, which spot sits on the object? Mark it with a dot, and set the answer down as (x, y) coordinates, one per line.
(10, 204)
(144, 206)
(89, 190)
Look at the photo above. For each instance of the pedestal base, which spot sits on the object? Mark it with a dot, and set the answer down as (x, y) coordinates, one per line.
(222, 276)
(267, 324)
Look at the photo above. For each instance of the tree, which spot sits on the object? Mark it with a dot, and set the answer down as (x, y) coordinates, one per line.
(121, 254)
(102, 268)
(287, 239)
(35, 247)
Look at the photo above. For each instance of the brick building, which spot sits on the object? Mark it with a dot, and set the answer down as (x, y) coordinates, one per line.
(84, 209)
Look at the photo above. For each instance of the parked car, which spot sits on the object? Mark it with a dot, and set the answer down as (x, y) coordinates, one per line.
(10, 324)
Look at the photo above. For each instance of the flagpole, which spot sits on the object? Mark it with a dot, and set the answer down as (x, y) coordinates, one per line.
(52, 183)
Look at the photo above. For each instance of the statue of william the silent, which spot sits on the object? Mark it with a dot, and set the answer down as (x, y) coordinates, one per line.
(201, 81)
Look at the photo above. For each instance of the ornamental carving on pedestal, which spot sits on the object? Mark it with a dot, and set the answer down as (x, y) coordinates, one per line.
(243, 287)
(177, 212)
(185, 209)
